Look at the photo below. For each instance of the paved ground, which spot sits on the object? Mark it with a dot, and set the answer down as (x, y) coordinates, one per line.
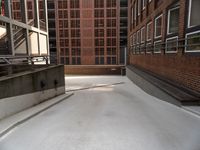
(119, 117)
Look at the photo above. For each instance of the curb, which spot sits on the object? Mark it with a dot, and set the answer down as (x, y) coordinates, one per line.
(8, 129)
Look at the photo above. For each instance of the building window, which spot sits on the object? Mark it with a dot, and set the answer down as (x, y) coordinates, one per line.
(194, 18)
(138, 37)
(148, 47)
(134, 39)
(143, 35)
(139, 7)
(111, 60)
(98, 4)
(135, 12)
(171, 45)
(173, 20)
(111, 3)
(158, 26)
(193, 42)
(144, 4)
(157, 46)
(149, 31)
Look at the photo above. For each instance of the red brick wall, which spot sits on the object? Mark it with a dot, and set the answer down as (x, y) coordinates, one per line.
(93, 70)
(180, 67)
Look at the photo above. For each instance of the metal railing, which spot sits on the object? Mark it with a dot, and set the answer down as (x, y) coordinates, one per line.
(16, 64)
(174, 47)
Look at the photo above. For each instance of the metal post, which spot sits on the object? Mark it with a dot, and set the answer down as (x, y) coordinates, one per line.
(8, 5)
(125, 56)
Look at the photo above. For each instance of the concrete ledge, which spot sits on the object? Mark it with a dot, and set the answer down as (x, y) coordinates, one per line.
(93, 69)
(11, 122)
(12, 105)
(27, 82)
(150, 88)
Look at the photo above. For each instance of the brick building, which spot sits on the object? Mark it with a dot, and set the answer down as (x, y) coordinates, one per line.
(88, 31)
(164, 38)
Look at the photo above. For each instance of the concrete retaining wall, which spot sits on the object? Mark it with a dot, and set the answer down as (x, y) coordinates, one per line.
(93, 69)
(149, 87)
(26, 89)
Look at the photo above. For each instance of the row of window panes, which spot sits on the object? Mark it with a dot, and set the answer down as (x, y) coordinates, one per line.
(73, 13)
(74, 42)
(110, 32)
(74, 60)
(74, 23)
(74, 52)
(110, 51)
(109, 3)
(110, 42)
(110, 60)
(192, 44)
(100, 23)
(109, 13)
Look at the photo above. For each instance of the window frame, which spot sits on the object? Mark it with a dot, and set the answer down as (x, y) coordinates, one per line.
(159, 52)
(139, 7)
(189, 15)
(147, 44)
(190, 51)
(141, 35)
(138, 37)
(168, 18)
(171, 38)
(143, 4)
(149, 24)
(160, 16)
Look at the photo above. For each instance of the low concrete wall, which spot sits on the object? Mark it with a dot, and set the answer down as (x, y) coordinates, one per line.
(149, 87)
(93, 69)
(26, 89)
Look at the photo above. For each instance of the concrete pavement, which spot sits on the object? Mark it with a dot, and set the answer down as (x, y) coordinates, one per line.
(115, 117)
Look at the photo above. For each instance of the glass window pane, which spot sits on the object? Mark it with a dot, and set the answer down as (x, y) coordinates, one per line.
(194, 18)
(172, 45)
(193, 42)
(158, 28)
(174, 21)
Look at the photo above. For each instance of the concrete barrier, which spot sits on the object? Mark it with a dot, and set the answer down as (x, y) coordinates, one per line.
(23, 90)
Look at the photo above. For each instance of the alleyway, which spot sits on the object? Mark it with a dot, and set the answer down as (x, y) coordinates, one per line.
(107, 113)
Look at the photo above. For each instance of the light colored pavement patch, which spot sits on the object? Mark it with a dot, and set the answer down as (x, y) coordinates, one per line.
(120, 117)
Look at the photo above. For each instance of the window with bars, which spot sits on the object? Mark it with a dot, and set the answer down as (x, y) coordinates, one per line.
(111, 51)
(111, 22)
(111, 3)
(75, 33)
(99, 32)
(75, 13)
(111, 32)
(111, 13)
(99, 13)
(99, 51)
(75, 42)
(99, 23)
(111, 42)
(111, 60)
(74, 3)
(75, 23)
(98, 4)
(99, 42)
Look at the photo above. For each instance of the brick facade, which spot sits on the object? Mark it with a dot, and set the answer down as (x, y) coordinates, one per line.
(88, 32)
(180, 62)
